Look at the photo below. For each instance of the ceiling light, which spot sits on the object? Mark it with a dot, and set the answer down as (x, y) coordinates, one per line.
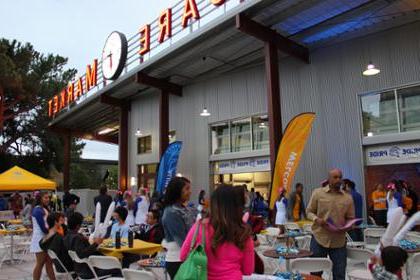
(133, 181)
(106, 130)
(178, 175)
(369, 134)
(262, 125)
(138, 133)
(371, 70)
(205, 113)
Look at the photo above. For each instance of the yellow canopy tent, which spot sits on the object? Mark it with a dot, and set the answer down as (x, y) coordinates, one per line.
(18, 179)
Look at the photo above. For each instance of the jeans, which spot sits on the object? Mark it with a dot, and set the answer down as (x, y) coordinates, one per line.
(338, 257)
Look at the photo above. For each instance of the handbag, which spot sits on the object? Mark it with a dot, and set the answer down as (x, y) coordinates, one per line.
(195, 266)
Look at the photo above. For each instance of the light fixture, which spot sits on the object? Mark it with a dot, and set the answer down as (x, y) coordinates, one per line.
(369, 134)
(106, 130)
(133, 181)
(138, 133)
(262, 125)
(371, 70)
(178, 174)
(205, 113)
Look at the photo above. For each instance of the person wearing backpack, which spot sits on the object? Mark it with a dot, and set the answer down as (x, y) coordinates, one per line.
(228, 240)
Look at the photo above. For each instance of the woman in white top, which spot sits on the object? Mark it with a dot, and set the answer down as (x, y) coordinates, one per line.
(129, 204)
(141, 208)
(40, 229)
(281, 210)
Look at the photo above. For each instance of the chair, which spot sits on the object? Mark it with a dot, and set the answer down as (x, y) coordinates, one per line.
(292, 226)
(359, 274)
(304, 242)
(307, 227)
(354, 244)
(78, 260)
(373, 235)
(358, 256)
(414, 267)
(67, 274)
(372, 220)
(105, 262)
(308, 265)
(132, 274)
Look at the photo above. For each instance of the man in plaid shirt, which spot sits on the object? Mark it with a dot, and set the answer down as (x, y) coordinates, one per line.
(393, 259)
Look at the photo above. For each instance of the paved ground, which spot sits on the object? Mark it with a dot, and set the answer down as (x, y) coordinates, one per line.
(18, 271)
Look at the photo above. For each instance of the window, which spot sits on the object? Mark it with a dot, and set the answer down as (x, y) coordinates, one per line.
(392, 111)
(172, 136)
(144, 144)
(220, 138)
(260, 132)
(409, 108)
(241, 135)
(379, 113)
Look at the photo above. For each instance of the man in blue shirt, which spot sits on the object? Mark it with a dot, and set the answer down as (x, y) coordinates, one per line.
(350, 187)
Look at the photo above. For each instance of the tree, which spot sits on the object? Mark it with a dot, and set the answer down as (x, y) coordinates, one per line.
(28, 79)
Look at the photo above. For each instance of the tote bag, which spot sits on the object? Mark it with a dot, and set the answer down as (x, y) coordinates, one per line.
(195, 266)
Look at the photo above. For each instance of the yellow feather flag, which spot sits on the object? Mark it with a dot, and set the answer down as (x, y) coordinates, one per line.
(289, 153)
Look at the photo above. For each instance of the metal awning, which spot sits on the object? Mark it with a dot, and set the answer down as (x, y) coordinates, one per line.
(219, 47)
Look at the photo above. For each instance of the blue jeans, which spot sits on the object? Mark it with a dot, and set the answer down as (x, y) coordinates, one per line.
(338, 257)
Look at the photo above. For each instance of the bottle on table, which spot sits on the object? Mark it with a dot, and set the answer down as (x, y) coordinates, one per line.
(118, 240)
(130, 238)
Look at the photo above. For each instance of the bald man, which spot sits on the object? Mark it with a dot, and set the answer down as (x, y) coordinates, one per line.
(329, 202)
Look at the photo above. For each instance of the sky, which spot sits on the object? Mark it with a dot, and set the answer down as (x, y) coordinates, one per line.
(76, 29)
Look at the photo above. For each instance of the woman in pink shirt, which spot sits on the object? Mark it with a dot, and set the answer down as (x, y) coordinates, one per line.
(229, 246)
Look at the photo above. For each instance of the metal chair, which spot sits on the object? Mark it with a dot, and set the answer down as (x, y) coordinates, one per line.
(132, 274)
(307, 227)
(308, 265)
(371, 236)
(105, 262)
(67, 274)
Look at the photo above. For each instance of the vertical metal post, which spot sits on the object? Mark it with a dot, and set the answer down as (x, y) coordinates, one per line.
(67, 160)
(123, 148)
(273, 100)
(163, 121)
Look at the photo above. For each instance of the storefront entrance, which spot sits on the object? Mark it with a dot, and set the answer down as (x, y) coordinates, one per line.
(146, 174)
(260, 181)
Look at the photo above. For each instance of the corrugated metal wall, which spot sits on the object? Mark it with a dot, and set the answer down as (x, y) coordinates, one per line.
(328, 86)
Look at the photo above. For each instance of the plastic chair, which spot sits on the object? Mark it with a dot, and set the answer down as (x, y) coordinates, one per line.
(105, 262)
(67, 274)
(132, 274)
(308, 265)
(78, 260)
(373, 235)
(358, 255)
(414, 267)
(304, 242)
(292, 226)
(359, 274)
(351, 243)
(307, 227)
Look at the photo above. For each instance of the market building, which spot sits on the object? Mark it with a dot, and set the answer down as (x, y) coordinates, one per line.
(225, 77)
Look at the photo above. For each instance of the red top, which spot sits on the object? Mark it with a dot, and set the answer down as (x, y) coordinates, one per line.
(228, 262)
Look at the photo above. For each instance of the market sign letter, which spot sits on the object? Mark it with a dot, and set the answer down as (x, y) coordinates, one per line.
(91, 75)
(165, 25)
(190, 11)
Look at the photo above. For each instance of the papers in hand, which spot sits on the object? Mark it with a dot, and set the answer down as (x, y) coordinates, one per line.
(331, 226)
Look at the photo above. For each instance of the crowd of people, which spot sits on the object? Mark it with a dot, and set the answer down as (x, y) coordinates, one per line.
(226, 224)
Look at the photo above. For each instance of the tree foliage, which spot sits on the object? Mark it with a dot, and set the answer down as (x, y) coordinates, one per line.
(28, 79)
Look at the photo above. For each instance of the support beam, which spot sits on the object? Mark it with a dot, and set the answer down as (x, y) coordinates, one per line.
(67, 159)
(163, 122)
(161, 84)
(106, 99)
(266, 34)
(123, 149)
(273, 100)
(85, 135)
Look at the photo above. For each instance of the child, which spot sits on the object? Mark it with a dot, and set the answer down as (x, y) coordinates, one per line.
(393, 259)
(120, 214)
(153, 232)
